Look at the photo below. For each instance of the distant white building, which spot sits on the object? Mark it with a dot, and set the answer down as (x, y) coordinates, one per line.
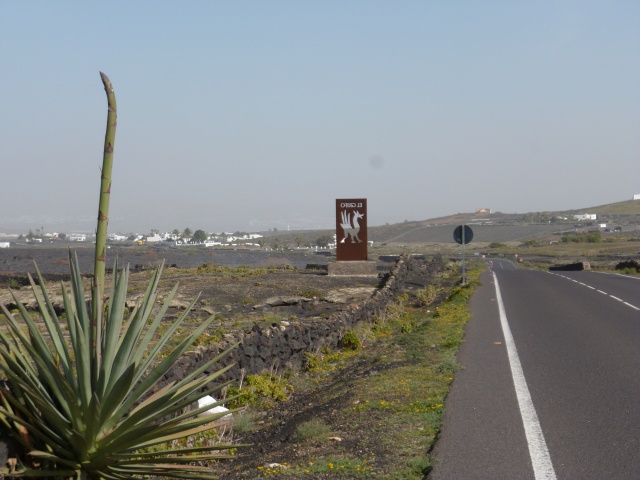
(155, 238)
(636, 196)
(4, 244)
(116, 237)
(77, 237)
(586, 216)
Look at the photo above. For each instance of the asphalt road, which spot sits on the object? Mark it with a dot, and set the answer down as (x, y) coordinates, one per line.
(550, 388)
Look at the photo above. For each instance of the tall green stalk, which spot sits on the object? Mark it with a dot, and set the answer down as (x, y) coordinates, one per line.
(103, 213)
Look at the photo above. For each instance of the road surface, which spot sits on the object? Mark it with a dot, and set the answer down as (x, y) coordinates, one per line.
(550, 380)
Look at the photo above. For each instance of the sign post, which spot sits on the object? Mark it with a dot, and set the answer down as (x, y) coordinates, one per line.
(463, 235)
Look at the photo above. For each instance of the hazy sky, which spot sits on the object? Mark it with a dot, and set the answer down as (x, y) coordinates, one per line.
(250, 115)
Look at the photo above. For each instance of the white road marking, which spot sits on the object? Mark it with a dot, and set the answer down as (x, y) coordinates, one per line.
(601, 291)
(540, 459)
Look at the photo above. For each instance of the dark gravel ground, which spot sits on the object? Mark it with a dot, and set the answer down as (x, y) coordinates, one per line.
(54, 260)
(214, 276)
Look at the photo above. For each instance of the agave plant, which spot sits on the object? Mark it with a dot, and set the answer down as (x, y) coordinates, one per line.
(86, 414)
(91, 403)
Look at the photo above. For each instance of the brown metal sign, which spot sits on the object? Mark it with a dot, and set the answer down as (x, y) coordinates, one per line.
(351, 229)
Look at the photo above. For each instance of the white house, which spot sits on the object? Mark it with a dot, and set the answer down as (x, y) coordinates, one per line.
(636, 196)
(586, 216)
(4, 244)
(77, 237)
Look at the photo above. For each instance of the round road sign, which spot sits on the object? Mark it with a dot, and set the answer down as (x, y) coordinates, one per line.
(468, 234)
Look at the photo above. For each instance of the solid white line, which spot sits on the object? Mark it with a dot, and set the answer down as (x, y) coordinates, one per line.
(540, 459)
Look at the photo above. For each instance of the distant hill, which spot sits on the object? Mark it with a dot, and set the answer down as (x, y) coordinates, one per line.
(628, 207)
(487, 227)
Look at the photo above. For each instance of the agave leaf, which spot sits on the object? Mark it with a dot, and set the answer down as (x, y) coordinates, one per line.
(205, 367)
(151, 331)
(116, 395)
(132, 419)
(162, 404)
(34, 428)
(81, 342)
(47, 370)
(147, 363)
(92, 421)
(78, 290)
(183, 471)
(20, 374)
(113, 328)
(35, 338)
(135, 327)
(37, 473)
(53, 327)
(35, 408)
(139, 456)
(76, 335)
(158, 372)
(170, 435)
(50, 456)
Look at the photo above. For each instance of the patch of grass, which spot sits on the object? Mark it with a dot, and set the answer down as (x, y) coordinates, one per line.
(315, 429)
(244, 421)
(335, 467)
(309, 293)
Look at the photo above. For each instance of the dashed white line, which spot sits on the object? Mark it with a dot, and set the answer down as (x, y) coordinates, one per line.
(600, 291)
(540, 459)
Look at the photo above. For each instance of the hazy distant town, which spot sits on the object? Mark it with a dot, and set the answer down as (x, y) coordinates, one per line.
(174, 238)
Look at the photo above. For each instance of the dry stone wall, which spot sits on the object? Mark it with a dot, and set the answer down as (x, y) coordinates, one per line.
(282, 347)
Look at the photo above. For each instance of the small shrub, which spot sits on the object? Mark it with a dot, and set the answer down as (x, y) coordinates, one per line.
(350, 341)
(311, 361)
(260, 391)
(427, 296)
(629, 266)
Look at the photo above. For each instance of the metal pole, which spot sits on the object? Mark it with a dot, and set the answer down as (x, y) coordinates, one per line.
(464, 276)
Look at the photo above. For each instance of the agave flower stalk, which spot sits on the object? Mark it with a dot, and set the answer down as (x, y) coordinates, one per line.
(103, 210)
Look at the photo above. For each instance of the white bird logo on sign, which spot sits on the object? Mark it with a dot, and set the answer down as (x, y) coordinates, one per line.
(351, 227)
